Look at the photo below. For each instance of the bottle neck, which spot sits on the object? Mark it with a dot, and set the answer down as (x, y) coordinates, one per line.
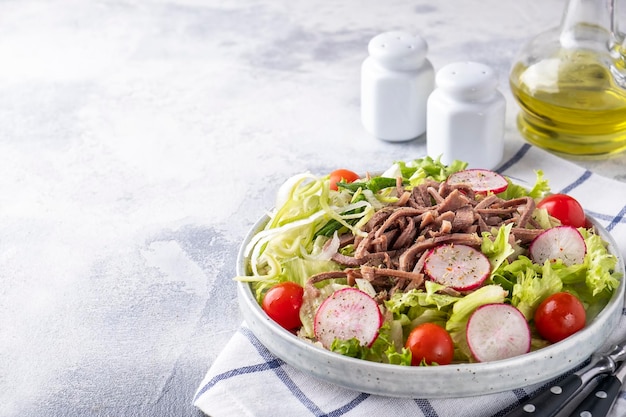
(589, 24)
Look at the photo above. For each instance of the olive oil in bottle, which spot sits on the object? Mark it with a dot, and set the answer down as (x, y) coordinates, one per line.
(570, 86)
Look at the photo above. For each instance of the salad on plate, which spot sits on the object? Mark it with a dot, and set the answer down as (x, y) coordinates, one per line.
(428, 264)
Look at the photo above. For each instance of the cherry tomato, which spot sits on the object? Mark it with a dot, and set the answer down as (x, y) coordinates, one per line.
(342, 175)
(430, 343)
(565, 208)
(282, 303)
(559, 316)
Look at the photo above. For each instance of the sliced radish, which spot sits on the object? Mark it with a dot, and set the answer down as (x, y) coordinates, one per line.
(348, 313)
(497, 331)
(482, 181)
(460, 267)
(561, 242)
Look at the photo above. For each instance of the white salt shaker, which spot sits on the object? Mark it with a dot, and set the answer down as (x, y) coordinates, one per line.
(396, 80)
(466, 116)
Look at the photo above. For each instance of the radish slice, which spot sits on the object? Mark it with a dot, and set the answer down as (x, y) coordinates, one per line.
(457, 266)
(561, 242)
(497, 331)
(348, 313)
(482, 181)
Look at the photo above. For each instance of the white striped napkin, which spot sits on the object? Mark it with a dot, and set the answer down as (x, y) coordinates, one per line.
(247, 380)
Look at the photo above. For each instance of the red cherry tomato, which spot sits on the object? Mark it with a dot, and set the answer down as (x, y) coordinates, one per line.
(565, 208)
(342, 175)
(559, 316)
(282, 303)
(430, 343)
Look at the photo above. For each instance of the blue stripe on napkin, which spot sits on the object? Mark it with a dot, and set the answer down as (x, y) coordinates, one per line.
(348, 406)
(276, 366)
(586, 175)
(426, 408)
(515, 158)
(281, 374)
(617, 219)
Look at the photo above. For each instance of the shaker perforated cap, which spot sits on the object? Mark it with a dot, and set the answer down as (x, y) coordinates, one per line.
(467, 79)
(398, 50)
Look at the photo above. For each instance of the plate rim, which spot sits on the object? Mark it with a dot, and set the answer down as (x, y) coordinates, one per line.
(378, 378)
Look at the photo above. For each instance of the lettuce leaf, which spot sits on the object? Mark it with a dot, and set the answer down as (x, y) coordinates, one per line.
(382, 350)
(419, 170)
(592, 282)
(601, 265)
(532, 286)
(404, 302)
(498, 249)
(538, 191)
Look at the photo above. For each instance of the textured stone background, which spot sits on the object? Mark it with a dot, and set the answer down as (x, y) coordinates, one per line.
(139, 140)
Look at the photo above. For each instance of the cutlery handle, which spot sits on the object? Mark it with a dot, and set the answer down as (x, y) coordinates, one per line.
(548, 402)
(599, 401)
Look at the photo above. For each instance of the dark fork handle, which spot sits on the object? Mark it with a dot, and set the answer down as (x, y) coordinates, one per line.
(599, 401)
(548, 402)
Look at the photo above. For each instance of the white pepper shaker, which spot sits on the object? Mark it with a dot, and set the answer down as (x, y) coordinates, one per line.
(466, 116)
(396, 80)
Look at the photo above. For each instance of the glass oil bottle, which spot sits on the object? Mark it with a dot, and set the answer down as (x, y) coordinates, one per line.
(570, 83)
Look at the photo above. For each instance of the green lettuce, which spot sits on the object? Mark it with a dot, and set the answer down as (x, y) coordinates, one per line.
(539, 190)
(533, 284)
(421, 169)
(497, 249)
(418, 300)
(382, 350)
(602, 274)
(592, 282)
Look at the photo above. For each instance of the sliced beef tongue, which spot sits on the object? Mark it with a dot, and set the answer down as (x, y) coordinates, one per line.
(464, 219)
(399, 236)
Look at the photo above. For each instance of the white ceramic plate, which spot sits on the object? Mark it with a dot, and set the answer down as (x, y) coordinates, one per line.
(456, 380)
